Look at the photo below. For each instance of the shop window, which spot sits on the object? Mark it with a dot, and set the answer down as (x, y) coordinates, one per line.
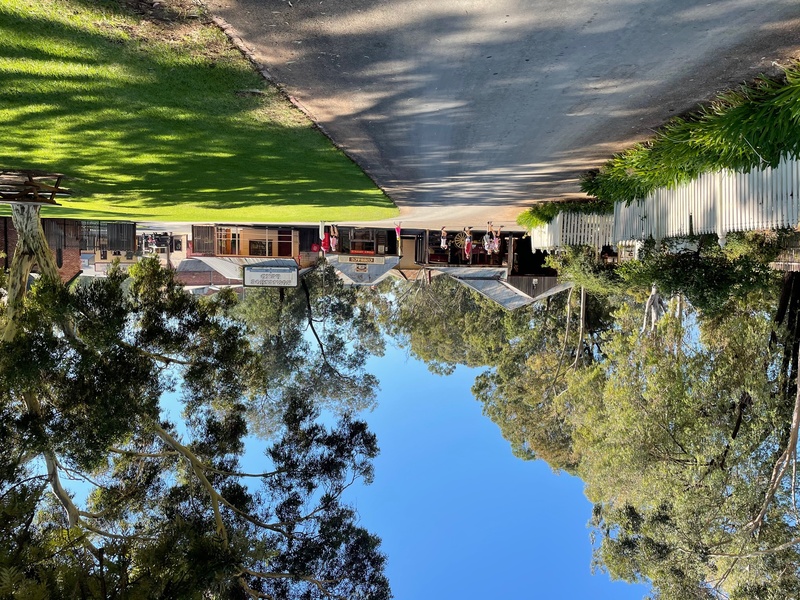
(258, 248)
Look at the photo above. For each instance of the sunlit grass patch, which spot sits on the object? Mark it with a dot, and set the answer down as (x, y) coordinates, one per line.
(150, 123)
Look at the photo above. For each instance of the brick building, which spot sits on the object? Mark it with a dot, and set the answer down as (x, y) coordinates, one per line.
(63, 236)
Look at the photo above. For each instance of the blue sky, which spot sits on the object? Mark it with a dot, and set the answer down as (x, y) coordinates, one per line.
(459, 515)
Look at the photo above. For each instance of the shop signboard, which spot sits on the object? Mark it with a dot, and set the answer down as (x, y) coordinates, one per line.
(261, 276)
(368, 260)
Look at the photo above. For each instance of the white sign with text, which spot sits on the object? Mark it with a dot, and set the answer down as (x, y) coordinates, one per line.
(270, 276)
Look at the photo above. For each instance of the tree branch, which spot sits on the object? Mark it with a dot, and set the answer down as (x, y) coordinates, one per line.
(250, 518)
(162, 358)
(783, 462)
(582, 330)
(76, 475)
(564, 345)
(254, 593)
(22, 482)
(756, 553)
(316, 335)
(143, 454)
(238, 474)
(34, 407)
(197, 467)
(217, 499)
(311, 321)
(320, 583)
(204, 466)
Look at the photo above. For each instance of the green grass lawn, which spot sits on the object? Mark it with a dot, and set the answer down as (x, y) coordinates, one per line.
(146, 120)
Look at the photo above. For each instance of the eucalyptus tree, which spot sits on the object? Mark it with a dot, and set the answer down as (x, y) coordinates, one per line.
(169, 509)
(318, 337)
(524, 391)
(685, 431)
(445, 324)
(686, 442)
(529, 355)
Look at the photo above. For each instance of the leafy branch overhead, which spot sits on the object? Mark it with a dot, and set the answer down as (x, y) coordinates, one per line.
(750, 128)
(684, 430)
(317, 338)
(169, 511)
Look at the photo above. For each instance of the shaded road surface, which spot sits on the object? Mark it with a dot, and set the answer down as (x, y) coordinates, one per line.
(462, 109)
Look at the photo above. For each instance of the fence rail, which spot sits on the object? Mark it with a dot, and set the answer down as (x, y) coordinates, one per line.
(569, 229)
(721, 202)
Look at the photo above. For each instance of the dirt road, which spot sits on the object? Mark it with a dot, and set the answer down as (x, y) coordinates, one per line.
(468, 109)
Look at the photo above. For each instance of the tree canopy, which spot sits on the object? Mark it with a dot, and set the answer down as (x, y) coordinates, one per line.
(316, 337)
(684, 430)
(445, 324)
(168, 510)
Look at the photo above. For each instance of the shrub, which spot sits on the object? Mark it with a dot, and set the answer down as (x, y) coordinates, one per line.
(544, 212)
(752, 127)
(579, 265)
(709, 278)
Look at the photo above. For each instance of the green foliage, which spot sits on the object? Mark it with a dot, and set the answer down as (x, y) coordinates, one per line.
(760, 246)
(316, 338)
(169, 514)
(542, 213)
(150, 123)
(710, 277)
(679, 448)
(675, 431)
(750, 128)
(640, 546)
(445, 324)
(579, 265)
(525, 391)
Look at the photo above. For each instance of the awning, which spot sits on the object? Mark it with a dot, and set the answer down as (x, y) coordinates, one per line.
(230, 267)
(490, 283)
(363, 273)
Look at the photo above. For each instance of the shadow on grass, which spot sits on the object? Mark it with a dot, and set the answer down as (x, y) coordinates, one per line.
(142, 126)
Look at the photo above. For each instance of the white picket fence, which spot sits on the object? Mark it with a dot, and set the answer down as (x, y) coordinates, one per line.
(714, 203)
(570, 229)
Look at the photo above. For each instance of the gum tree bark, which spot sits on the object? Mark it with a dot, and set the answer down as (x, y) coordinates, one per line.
(32, 249)
(88, 390)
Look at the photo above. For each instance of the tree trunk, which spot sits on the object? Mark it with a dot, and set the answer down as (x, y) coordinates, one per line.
(32, 249)
(582, 330)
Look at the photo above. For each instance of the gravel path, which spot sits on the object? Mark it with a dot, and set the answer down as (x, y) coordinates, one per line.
(464, 110)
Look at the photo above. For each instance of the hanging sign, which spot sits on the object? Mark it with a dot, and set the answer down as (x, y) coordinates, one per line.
(270, 276)
(370, 260)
